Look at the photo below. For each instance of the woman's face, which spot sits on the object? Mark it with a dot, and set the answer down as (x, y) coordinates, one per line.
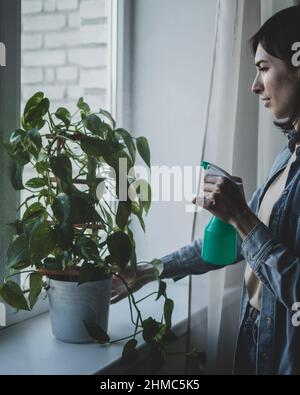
(275, 83)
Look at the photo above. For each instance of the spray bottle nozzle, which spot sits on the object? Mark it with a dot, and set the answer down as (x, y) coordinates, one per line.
(217, 169)
(205, 165)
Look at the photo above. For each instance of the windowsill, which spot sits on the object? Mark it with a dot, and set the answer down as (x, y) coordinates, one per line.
(30, 348)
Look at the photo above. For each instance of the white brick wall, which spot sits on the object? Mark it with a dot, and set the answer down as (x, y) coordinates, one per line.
(63, 5)
(93, 78)
(31, 7)
(62, 39)
(49, 74)
(49, 5)
(74, 20)
(38, 23)
(32, 41)
(65, 51)
(32, 75)
(88, 57)
(93, 34)
(92, 9)
(67, 73)
(44, 58)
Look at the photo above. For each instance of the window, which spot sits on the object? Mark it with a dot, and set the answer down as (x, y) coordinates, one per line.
(67, 51)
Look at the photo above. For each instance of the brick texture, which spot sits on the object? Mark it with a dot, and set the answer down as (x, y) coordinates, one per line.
(65, 51)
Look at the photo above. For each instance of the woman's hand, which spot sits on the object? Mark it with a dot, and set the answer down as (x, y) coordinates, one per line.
(224, 199)
(144, 274)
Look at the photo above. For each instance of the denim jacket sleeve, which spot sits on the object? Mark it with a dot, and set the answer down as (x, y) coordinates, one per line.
(187, 260)
(274, 264)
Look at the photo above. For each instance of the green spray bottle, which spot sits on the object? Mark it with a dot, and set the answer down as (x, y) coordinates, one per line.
(219, 245)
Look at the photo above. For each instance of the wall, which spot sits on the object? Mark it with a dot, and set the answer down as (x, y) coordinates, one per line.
(65, 50)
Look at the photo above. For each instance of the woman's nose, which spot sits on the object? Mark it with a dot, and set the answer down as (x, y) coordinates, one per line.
(257, 86)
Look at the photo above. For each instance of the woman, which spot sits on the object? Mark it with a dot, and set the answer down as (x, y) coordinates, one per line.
(268, 226)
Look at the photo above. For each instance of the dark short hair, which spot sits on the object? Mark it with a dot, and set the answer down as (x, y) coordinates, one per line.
(277, 36)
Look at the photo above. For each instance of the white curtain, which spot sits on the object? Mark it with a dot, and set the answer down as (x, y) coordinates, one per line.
(241, 138)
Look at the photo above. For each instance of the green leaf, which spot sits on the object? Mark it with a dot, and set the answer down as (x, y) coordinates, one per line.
(12, 294)
(130, 353)
(86, 248)
(140, 189)
(36, 183)
(61, 207)
(93, 146)
(123, 213)
(17, 136)
(88, 272)
(41, 167)
(16, 176)
(64, 115)
(119, 247)
(52, 264)
(64, 235)
(133, 259)
(33, 219)
(34, 116)
(17, 153)
(143, 149)
(42, 241)
(35, 285)
(61, 167)
(128, 140)
(32, 103)
(34, 211)
(137, 210)
(113, 160)
(34, 139)
(150, 329)
(17, 253)
(95, 125)
(83, 106)
(168, 310)
(113, 144)
(82, 211)
(162, 289)
(96, 332)
(109, 117)
(64, 259)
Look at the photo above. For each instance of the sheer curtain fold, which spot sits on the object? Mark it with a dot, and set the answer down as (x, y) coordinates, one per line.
(241, 138)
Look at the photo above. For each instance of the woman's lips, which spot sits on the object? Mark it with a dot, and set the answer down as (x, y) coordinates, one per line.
(266, 102)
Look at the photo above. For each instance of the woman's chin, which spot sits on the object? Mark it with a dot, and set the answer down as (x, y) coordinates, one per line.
(280, 116)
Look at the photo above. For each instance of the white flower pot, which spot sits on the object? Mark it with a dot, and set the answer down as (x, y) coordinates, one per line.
(71, 304)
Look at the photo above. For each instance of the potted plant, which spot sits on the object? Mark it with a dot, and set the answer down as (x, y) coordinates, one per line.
(71, 238)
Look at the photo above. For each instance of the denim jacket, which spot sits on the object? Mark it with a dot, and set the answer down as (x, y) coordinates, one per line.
(273, 253)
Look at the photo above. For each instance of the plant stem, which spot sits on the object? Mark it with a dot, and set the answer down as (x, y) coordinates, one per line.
(130, 296)
(153, 293)
(124, 338)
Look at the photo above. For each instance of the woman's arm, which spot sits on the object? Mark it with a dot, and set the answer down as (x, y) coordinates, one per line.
(185, 261)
